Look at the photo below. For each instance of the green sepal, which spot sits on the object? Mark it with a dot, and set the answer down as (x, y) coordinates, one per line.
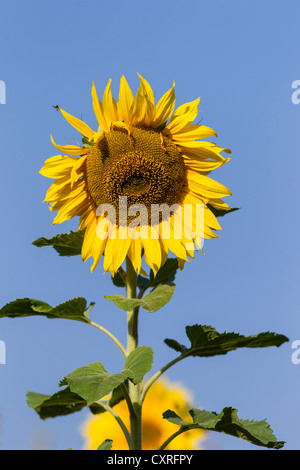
(74, 309)
(165, 275)
(87, 144)
(227, 422)
(221, 212)
(66, 244)
(141, 281)
(118, 280)
(206, 341)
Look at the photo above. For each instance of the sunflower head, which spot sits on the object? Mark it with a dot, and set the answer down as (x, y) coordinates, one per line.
(144, 168)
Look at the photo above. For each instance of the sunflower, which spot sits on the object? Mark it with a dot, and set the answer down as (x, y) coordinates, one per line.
(142, 155)
(161, 396)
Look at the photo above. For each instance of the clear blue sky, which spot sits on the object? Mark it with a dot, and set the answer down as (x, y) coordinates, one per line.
(241, 58)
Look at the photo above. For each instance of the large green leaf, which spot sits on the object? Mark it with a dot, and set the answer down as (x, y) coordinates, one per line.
(206, 341)
(227, 422)
(93, 382)
(65, 402)
(115, 398)
(66, 244)
(74, 309)
(151, 302)
(138, 363)
(61, 403)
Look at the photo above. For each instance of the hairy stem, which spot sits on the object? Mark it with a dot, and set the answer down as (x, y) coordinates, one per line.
(132, 342)
(118, 419)
(111, 336)
(180, 431)
(159, 373)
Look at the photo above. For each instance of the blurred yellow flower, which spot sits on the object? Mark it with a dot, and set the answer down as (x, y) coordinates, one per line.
(155, 430)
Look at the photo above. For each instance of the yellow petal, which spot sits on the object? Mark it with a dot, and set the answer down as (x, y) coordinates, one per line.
(125, 100)
(146, 89)
(58, 166)
(87, 217)
(203, 166)
(141, 111)
(177, 248)
(164, 107)
(135, 254)
(152, 253)
(103, 120)
(70, 149)
(72, 207)
(79, 125)
(183, 115)
(89, 237)
(77, 170)
(57, 188)
(194, 132)
(98, 248)
(115, 254)
(205, 186)
(109, 104)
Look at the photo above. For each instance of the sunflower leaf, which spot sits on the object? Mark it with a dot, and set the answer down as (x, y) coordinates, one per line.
(93, 382)
(65, 402)
(158, 297)
(142, 281)
(61, 403)
(227, 422)
(206, 341)
(74, 309)
(151, 302)
(139, 362)
(116, 397)
(66, 244)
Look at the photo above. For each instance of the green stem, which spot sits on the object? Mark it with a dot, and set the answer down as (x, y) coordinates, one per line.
(110, 335)
(159, 373)
(180, 431)
(118, 419)
(127, 398)
(132, 342)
